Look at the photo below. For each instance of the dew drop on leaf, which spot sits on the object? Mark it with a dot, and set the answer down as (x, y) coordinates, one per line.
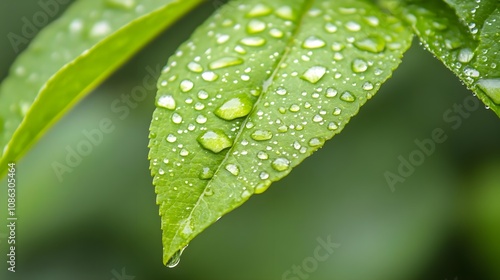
(214, 140)
(347, 96)
(233, 169)
(166, 101)
(261, 135)
(314, 74)
(313, 42)
(259, 10)
(175, 259)
(206, 173)
(374, 44)
(234, 108)
(253, 41)
(359, 65)
(225, 62)
(280, 164)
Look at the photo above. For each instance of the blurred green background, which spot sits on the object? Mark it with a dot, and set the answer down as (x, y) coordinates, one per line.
(442, 222)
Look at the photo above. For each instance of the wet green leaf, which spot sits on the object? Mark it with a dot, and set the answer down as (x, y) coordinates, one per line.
(468, 44)
(69, 58)
(258, 88)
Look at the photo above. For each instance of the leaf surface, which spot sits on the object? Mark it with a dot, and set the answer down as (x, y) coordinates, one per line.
(69, 58)
(258, 88)
(468, 44)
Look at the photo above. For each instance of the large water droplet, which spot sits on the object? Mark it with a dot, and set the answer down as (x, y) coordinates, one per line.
(314, 74)
(256, 26)
(465, 55)
(209, 76)
(195, 67)
(186, 85)
(214, 140)
(261, 135)
(280, 164)
(359, 65)
(225, 62)
(236, 107)
(374, 44)
(201, 119)
(171, 138)
(285, 12)
(347, 96)
(233, 169)
(166, 101)
(259, 10)
(313, 42)
(491, 87)
(175, 259)
(121, 4)
(253, 41)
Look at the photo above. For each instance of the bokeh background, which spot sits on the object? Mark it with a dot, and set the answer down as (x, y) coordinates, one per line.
(442, 222)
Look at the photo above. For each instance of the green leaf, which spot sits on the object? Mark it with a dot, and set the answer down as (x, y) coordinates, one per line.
(71, 57)
(468, 44)
(257, 89)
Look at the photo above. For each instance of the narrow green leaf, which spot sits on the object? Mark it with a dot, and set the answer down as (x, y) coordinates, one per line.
(69, 58)
(469, 46)
(257, 89)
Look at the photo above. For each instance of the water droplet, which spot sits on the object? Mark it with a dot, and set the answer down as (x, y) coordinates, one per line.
(314, 74)
(161, 171)
(201, 119)
(166, 101)
(330, 27)
(317, 118)
(214, 140)
(262, 186)
(280, 164)
(253, 41)
(195, 67)
(276, 33)
(225, 62)
(176, 118)
(367, 86)
(186, 85)
(209, 76)
(100, 28)
(171, 138)
(452, 44)
(262, 155)
(332, 126)
(76, 25)
(222, 38)
(336, 46)
(259, 10)
(331, 92)
(347, 96)
(264, 175)
(202, 95)
(281, 91)
(372, 20)
(206, 173)
(313, 42)
(465, 55)
(175, 259)
(233, 169)
(471, 72)
(491, 87)
(352, 26)
(359, 65)
(122, 4)
(256, 26)
(236, 107)
(285, 12)
(294, 108)
(374, 44)
(315, 142)
(184, 152)
(261, 135)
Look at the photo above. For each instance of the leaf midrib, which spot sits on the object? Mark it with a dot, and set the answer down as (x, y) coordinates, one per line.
(288, 47)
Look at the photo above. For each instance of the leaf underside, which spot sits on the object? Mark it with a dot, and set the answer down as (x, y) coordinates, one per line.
(257, 89)
(69, 58)
(465, 36)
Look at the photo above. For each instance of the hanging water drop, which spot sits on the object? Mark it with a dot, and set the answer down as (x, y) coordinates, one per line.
(214, 140)
(280, 164)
